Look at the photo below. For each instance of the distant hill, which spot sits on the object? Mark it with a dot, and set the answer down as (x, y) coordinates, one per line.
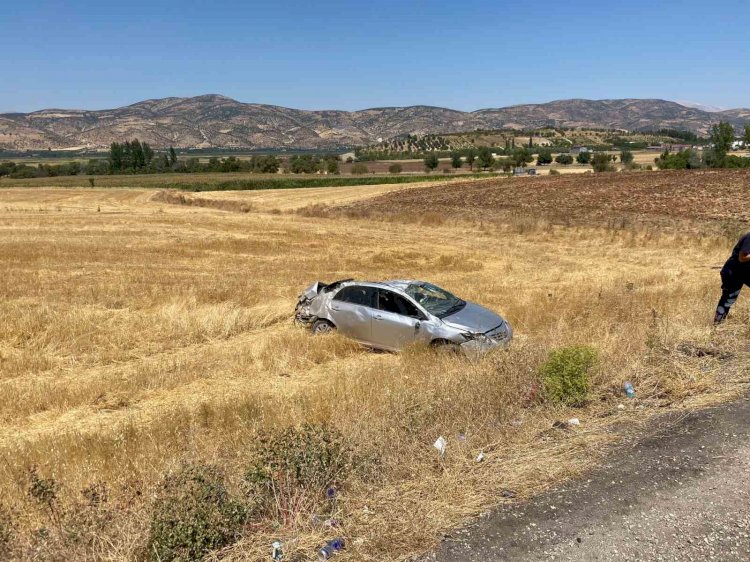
(217, 121)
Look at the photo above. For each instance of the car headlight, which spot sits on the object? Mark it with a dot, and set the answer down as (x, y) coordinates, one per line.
(471, 336)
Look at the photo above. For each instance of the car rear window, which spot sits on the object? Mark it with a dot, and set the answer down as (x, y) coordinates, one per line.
(356, 294)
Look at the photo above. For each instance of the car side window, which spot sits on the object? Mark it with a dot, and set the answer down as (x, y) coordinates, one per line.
(391, 302)
(356, 294)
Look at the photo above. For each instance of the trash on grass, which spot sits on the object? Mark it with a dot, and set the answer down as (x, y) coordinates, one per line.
(621, 406)
(277, 554)
(331, 548)
(574, 421)
(440, 445)
(629, 390)
(508, 494)
(480, 457)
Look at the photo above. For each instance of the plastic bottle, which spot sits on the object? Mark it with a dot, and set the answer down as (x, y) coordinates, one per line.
(629, 390)
(331, 548)
(277, 553)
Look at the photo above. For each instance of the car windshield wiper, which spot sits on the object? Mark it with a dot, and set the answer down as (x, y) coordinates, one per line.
(455, 308)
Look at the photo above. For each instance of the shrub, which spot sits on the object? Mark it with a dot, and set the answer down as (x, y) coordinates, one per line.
(602, 162)
(395, 168)
(544, 156)
(554, 172)
(292, 468)
(565, 374)
(431, 162)
(564, 159)
(43, 490)
(360, 168)
(193, 514)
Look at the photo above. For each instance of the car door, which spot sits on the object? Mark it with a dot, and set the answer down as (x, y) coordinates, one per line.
(396, 322)
(352, 309)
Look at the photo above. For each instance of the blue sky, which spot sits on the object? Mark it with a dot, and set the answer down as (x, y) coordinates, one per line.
(329, 54)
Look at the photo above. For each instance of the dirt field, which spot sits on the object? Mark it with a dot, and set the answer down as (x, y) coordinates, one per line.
(140, 335)
(707, 198)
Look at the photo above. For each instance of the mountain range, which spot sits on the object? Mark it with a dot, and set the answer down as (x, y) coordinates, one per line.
(217, 121)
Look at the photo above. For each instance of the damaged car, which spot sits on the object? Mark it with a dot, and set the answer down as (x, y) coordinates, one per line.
(390, 315)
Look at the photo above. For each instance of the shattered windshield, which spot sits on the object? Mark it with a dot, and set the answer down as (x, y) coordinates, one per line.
(434, 300)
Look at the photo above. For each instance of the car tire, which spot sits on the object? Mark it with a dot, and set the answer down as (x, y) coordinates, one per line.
(320, 327)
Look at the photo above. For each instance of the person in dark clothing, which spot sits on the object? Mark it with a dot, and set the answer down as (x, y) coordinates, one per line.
(734, 274)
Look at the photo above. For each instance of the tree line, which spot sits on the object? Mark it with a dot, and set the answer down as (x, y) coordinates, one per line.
(135, 157)
(715, 155)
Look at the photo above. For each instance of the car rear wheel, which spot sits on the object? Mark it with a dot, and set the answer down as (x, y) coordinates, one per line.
(322, 327)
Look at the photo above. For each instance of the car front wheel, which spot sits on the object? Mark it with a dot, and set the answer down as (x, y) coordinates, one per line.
(322, 327)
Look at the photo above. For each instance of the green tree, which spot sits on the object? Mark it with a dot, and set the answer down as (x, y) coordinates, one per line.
(303, 164)
(521, 156)
(722, 136)
(395, 168)
(172, 156)
(148, 153)
(602, 162)
(531, 141)
(626, 157)
(505, 164)
(683, 160)
(583, 157)
(456, 160)
(564, 159)
(746, 137)
(116, 157)
(544, 156)
(485, 158)
(471, 156)
(431, 162)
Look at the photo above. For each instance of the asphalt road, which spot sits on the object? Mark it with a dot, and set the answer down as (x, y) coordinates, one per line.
(681, 494)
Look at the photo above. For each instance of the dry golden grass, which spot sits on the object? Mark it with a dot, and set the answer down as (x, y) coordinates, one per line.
(139, 334)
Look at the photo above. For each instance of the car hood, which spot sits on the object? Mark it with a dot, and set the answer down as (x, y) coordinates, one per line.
(474, 318)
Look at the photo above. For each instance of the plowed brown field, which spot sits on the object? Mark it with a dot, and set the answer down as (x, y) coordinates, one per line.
(588, 199)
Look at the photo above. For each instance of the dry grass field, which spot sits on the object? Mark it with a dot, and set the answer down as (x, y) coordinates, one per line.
(139, 336)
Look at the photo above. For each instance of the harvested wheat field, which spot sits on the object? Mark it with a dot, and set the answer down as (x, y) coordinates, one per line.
(152, 377)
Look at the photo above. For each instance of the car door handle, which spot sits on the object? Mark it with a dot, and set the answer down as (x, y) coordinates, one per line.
(378, 317)
(335, 308)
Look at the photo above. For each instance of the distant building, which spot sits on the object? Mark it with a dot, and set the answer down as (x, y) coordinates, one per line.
(578, 149)
(344, 157)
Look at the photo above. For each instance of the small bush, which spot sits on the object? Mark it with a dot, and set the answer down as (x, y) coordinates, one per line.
(395, 168)
(292, 468)
(554, 172)
(43, 490)
(360, 168)
(565, 374)
(193, 514)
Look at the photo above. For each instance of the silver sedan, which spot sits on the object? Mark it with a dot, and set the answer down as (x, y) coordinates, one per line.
(392, 314)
